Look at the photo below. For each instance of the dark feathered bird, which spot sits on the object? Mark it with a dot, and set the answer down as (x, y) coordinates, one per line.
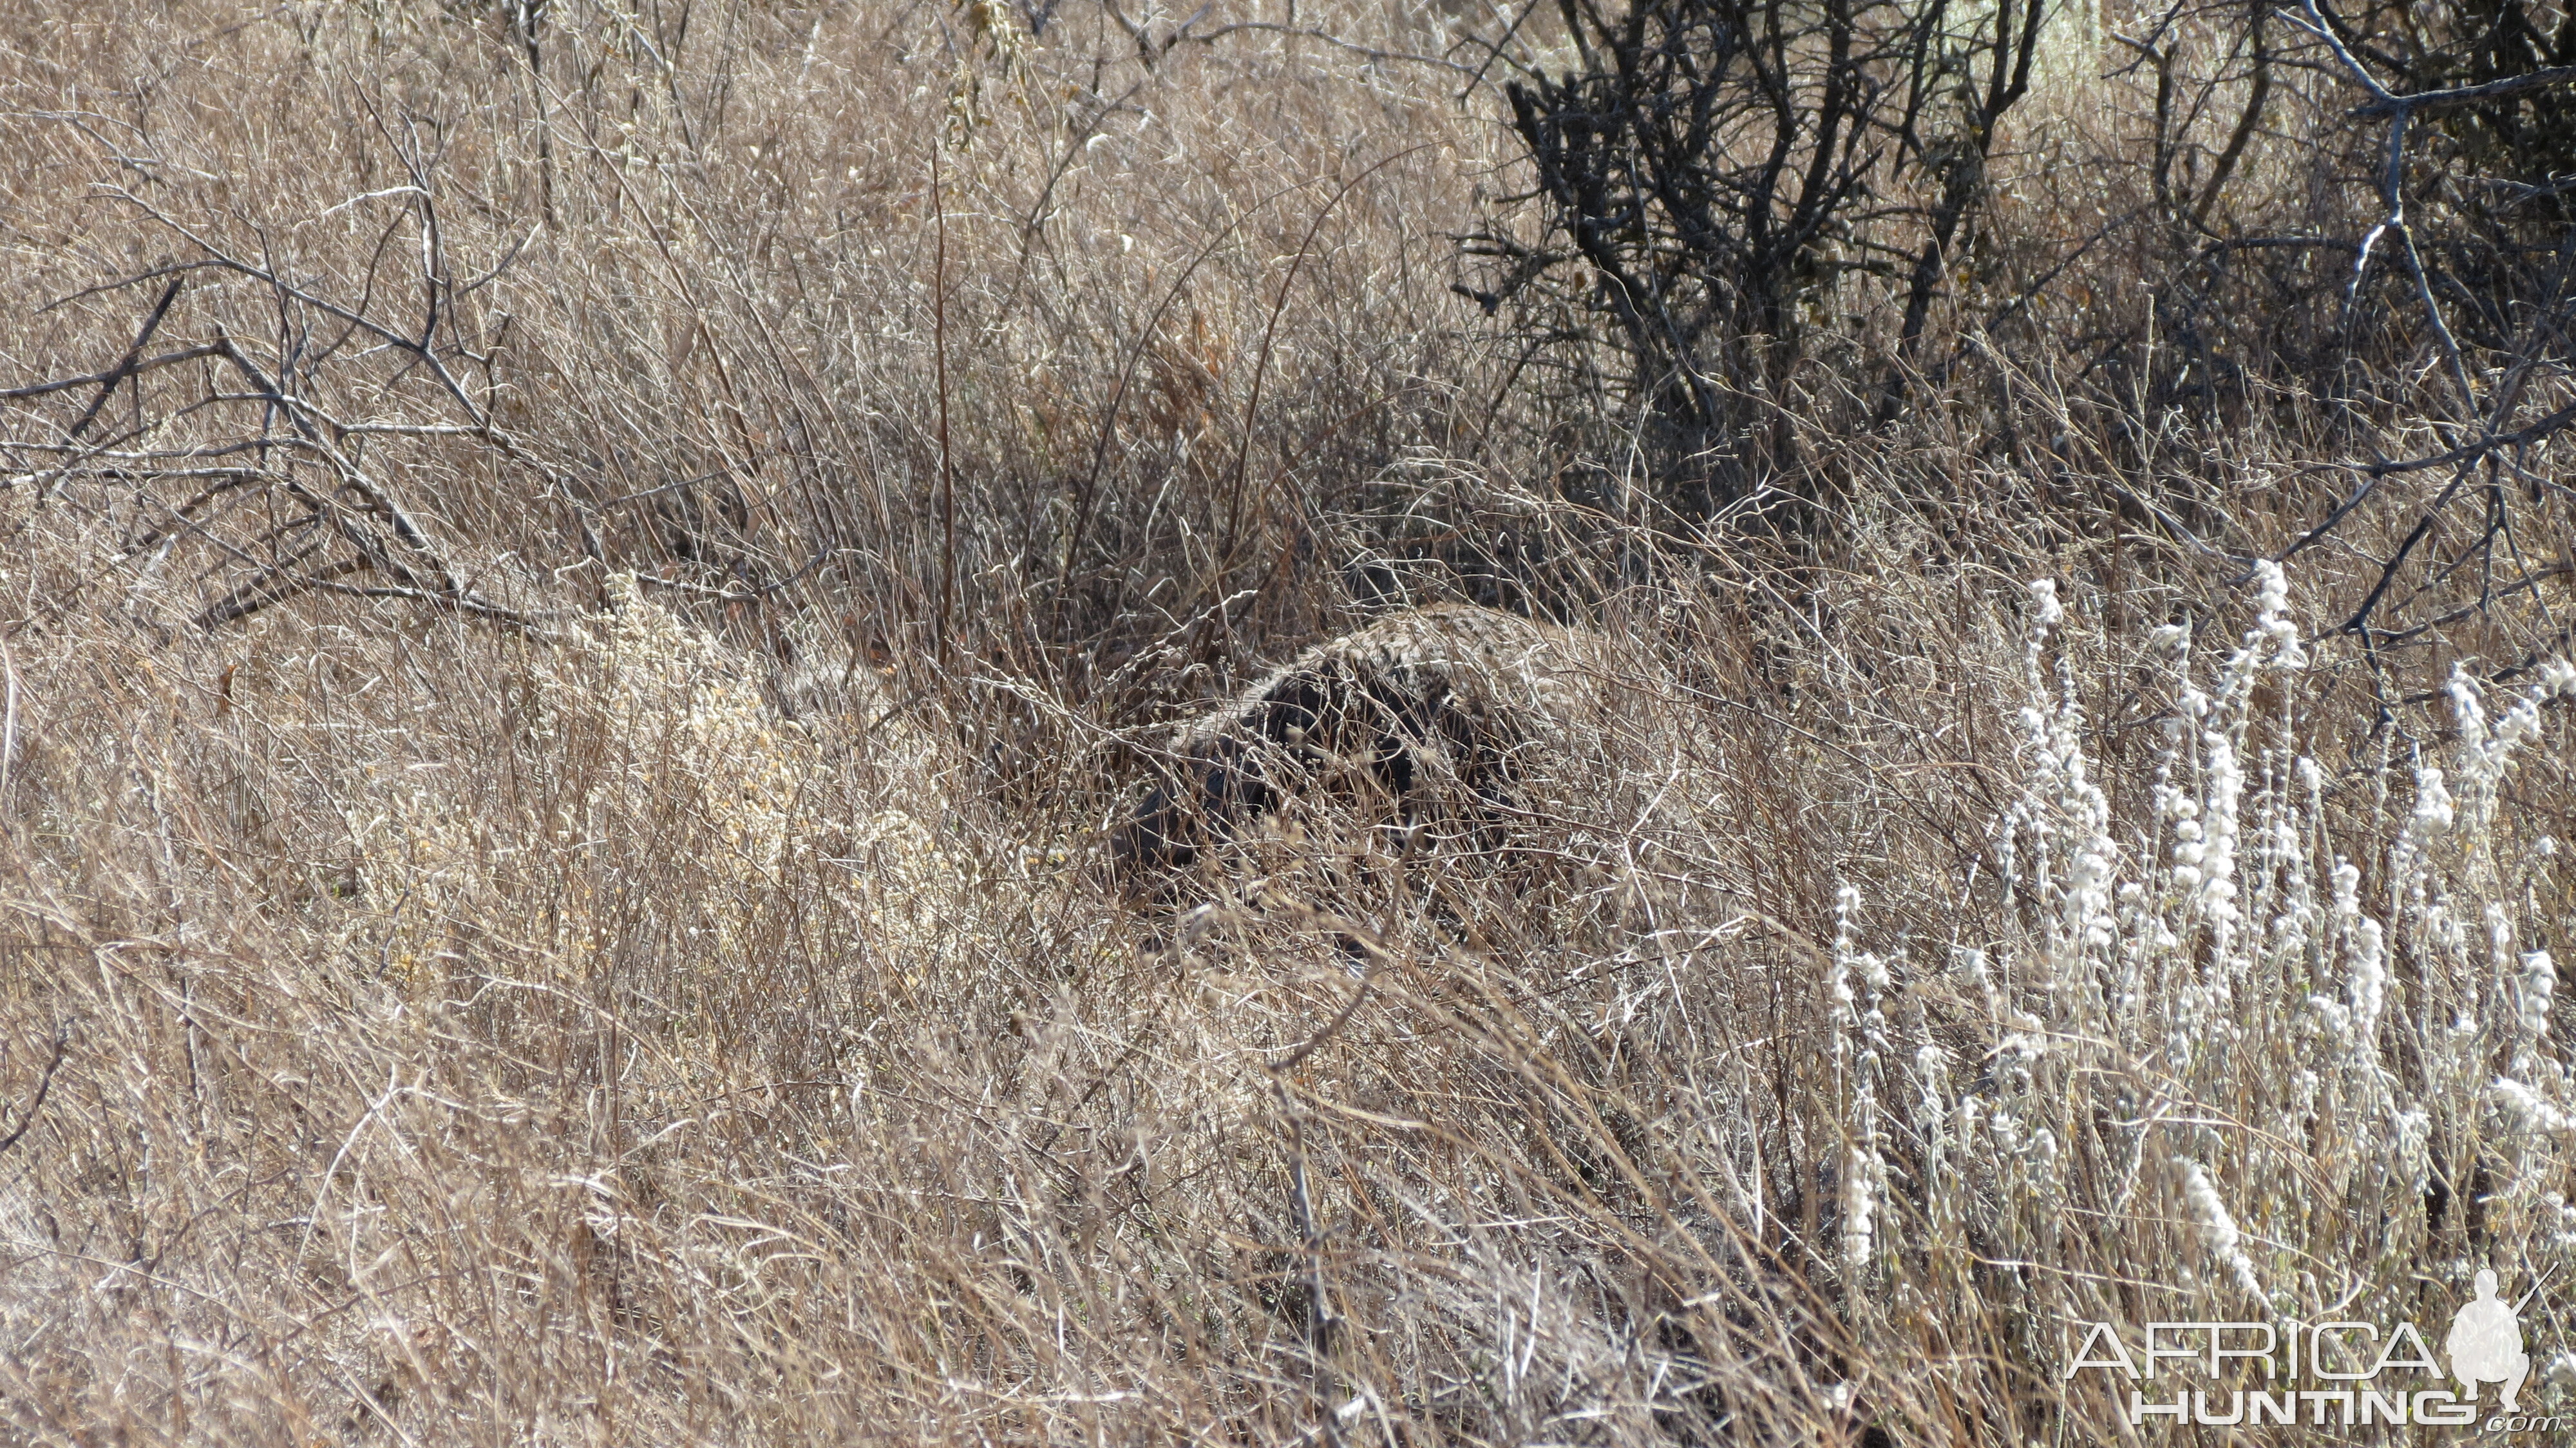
(1445, 704)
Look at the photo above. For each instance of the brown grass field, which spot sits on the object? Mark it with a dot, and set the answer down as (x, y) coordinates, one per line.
(580, 588)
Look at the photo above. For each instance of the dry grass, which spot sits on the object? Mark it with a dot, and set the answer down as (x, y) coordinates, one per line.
(626, 958)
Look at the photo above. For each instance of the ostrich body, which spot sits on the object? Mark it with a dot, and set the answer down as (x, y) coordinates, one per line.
(1432, 707)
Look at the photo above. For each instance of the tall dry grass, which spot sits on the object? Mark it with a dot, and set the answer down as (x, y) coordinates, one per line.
(553, 770)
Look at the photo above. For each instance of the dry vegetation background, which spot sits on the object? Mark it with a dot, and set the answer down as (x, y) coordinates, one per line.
(568, 648)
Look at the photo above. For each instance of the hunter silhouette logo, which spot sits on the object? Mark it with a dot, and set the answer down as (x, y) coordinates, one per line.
(2327, 1374)
(2485, 1345)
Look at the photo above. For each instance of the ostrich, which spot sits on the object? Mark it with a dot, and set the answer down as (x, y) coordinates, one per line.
(1439, 708)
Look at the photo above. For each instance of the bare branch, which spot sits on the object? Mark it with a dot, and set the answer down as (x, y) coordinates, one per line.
(2468, 95)
(1366, 52)
(44, 1084)
(115, 374)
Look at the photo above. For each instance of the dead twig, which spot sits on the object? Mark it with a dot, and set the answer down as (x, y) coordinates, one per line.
(131, 367)
(44, 1085)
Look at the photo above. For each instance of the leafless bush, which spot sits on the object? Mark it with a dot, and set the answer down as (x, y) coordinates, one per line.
(1728, 179)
